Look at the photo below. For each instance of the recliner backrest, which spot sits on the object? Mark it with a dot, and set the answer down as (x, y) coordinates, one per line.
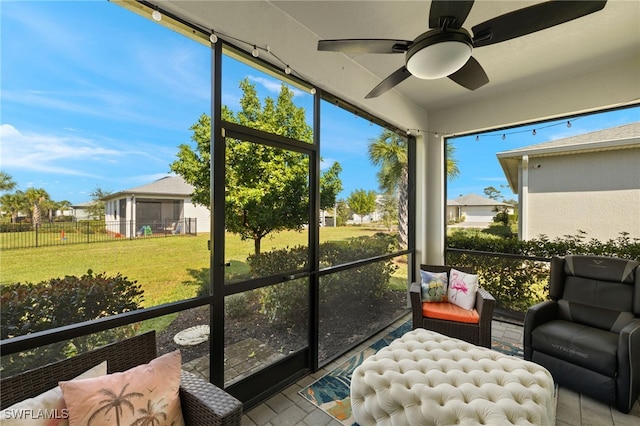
(596, 291)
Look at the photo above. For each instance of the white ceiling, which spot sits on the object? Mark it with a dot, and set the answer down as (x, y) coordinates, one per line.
(293, 28)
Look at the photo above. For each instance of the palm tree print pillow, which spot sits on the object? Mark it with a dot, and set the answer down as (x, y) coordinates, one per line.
(433, 286)
(144, 395)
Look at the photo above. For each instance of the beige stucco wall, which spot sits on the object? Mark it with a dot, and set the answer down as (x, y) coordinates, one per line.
(615, 84)
(598, 193)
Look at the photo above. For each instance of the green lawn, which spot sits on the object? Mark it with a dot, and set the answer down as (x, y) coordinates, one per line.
(167, 268)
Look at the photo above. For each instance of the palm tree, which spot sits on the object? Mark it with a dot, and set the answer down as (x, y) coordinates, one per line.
(6, 182)
(149, 416)
(389, 151)
(452, 163)
(36, 197)
(13, 204)
(115, 402)
(63, 206)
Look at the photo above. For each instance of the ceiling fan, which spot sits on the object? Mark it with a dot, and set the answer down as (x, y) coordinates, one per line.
(445, 50)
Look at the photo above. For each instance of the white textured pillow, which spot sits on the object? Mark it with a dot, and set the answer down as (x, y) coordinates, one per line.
(46, 409)
(462, 289)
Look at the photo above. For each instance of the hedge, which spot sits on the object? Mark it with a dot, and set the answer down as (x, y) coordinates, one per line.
(519, 283)
(288, 302)
(28, 308)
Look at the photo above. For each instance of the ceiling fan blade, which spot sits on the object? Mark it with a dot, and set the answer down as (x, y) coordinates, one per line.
(455, 11)
(364, 45)
(471, 75)
(531, 19)
(390, 82)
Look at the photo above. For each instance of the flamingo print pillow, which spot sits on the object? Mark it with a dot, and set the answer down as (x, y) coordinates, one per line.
(433, 286)
(144, 395)
(462, 289)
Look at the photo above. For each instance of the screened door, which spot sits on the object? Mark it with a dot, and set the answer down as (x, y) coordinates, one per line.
(267, 261)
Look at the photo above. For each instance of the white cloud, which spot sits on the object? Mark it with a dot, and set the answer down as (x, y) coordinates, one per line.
(325, 163)
(492, 179)
(231, 101)
(50, 153)
(273, 85)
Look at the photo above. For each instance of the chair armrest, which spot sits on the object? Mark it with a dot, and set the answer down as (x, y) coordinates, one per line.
(415, 293)
(540, 313)
(537, 315)
(206, 404)
(628, 383)
(485, 303)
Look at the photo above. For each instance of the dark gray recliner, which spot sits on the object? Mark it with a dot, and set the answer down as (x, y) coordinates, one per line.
(588, 334)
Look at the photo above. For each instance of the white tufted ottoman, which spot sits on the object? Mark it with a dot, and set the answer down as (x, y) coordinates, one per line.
(425, 378)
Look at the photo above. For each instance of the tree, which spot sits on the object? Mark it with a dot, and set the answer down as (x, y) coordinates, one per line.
(37, 198)
(330, 186)
(362, 202)
(63, 205)
(267, 188)
(14, 204)
(6, 182)
(452, 164)
(96, 208)
(343, 212)
(389, 151)
(492, 192)
(389, 210)
(502, 215)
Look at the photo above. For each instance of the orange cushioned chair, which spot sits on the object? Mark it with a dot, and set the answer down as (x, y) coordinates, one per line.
(473, 326)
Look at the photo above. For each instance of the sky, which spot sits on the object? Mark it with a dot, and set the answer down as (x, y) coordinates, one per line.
(476, 154)
(93, 95)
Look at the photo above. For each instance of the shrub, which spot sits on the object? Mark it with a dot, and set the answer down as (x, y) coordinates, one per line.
(237, 305)
(519, 283)
(289, 301)
(499, 230)
(29, 308)
(502, 217)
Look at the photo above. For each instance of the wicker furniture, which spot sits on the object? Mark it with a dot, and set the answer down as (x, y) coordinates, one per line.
(202, 402)
(588, 334)
(425, 378)
(478, 334)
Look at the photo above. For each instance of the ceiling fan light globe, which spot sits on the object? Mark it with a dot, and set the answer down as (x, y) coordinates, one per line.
(438, 60)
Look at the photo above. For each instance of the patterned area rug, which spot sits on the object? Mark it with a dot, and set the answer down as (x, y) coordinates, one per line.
(331, 392)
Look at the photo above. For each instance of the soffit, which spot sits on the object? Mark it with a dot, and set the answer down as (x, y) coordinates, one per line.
(293, 28)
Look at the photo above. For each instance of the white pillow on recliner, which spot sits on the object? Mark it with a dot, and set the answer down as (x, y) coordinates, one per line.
(462, 289)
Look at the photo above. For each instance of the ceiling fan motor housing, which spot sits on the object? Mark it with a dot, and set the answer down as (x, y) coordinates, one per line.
(439, 53)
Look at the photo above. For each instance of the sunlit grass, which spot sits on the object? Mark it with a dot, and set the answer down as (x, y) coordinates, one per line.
(168, 269)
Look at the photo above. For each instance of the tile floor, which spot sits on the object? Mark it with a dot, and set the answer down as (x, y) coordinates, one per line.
(289, 408)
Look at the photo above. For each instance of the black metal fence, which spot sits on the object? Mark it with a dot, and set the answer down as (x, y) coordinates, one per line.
(28, 235)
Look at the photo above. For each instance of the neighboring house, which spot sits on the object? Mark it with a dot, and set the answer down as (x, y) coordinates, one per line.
(80, 211)
(160, 205)
(475, 209)
(453, 211)
(589, 182)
